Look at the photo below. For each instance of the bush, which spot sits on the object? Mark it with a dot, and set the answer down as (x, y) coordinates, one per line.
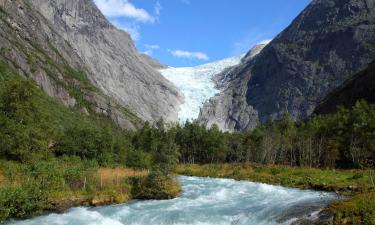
(20, 202)
(155, 186)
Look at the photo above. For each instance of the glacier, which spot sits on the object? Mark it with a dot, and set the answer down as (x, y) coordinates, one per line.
(196, 84)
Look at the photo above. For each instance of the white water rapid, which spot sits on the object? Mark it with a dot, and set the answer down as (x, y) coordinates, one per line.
(204, 201)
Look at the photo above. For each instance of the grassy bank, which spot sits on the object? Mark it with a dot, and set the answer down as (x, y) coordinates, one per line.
(32, 189)
(357, 184)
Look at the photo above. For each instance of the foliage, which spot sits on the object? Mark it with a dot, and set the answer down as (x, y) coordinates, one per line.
(288, 176)
(155, 186)
(36, 186)
(87, 142)
(159, 143)
(21, 119)
(200, 145)
(360, 210)
(341, 140)
(18, 202)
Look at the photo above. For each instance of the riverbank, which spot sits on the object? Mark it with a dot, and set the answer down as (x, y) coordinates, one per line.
(355, 184)
(119, 185)
(113, 186)
(28, 190)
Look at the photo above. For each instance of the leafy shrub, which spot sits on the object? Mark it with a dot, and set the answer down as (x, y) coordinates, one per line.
(20, 202)
(155, 186)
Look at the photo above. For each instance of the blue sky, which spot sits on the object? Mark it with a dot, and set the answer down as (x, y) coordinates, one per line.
(192, 32)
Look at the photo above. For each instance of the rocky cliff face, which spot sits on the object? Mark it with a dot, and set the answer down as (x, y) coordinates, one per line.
(325, 44)
(78, 57)
(152, 62)
(360, 86)
(222, 108)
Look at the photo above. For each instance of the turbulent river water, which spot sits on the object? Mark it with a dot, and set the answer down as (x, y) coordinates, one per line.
(203, 201)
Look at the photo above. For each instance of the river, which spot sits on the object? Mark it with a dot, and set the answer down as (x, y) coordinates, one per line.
(204, 201)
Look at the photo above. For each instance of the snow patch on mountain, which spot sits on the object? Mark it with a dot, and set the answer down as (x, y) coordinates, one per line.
(196, 84)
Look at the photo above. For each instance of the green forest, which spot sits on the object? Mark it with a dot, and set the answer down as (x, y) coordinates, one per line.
(345, 139)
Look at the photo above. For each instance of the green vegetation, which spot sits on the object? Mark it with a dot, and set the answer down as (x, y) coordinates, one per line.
(346, 182)
(31, 188)
(155, 186)
(21, 201)
(360, 210)
(345, 139)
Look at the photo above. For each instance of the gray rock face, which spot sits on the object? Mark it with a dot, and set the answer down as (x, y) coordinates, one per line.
(52, 89)
(225, 110)
(113, 63)
(360, 86)
(325, 44)
(76, 56)
(152, 62)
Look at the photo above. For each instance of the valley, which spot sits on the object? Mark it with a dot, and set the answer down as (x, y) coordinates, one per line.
(97, 129)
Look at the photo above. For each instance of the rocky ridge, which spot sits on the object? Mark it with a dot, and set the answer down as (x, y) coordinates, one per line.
(76, 56)
(324, 45)
(360, 86)
(213, 111)
(152, 62)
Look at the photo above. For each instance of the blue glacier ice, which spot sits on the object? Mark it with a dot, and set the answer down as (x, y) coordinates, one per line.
(196, 84)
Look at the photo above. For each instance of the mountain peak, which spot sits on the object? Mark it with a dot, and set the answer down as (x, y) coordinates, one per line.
(324, 45)
(111, 59)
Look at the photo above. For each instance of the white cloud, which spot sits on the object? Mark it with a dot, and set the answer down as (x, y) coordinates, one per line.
(191, 55)
(123, 8)
(157, 9)
(126, 16)
(150, 49)
(152, 46)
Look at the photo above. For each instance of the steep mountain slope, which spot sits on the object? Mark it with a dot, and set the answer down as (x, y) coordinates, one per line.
(152, 62)
(325, 44)
(78, 57)
(215, 111)
(197, 84)
(360, 86)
